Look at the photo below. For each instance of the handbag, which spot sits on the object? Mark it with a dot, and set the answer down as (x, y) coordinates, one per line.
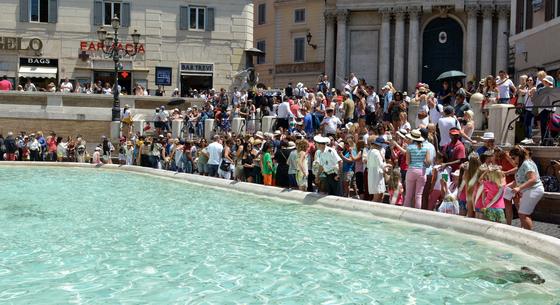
(554, 122)
(422, 115)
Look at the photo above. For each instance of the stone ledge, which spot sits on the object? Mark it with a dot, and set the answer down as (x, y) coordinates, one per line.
(534, 243)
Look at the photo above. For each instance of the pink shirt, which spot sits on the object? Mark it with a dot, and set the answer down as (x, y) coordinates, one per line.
(5, 85)
(490, 191)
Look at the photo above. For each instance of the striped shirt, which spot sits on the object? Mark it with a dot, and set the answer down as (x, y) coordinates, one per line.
(417, 155)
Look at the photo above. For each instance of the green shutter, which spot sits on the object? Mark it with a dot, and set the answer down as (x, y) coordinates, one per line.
(98, 13)
(125, 14)
(210, 15)
(53, 11)
(184, 18)
(23, 10)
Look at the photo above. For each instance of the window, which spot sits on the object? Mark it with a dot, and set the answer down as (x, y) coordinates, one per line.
(261, 45)
(299, 15)
(524, 18)
(261, 14)
(551, 9)
(39, 11)
(299, 49)
(110, 10)
(197, 18)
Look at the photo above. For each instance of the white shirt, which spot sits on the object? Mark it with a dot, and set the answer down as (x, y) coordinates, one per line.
(354, 82)
(284, 110)
(329, 160)
(444, 125)
(435, 113)
(372, 101)
(504, 88)
(214, 153)
(331, 124)
(66, 87)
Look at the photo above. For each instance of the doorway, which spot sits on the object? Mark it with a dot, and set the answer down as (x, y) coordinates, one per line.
(125, 79)
(192, 82)
(442, 50)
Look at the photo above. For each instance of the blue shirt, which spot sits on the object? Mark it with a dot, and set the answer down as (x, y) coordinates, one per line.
(308, 124)
(386, 100)
(417, 155)
(481, 150)
(347, 166)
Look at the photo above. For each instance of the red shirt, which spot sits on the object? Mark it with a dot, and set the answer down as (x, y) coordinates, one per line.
(452, 152)
(5, 85)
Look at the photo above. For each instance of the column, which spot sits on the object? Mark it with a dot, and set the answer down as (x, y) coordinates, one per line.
(341, 42)
(502, 39)
(413, 49)
(398, 59)
(384, 48)
(330, 19)
(486, 49)
(470, 58)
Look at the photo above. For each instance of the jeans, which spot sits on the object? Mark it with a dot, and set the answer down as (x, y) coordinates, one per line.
(528, 117)
(503, 101)
(212, 170)
(415, 181)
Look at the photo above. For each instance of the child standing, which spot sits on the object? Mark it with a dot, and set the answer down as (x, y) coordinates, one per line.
(395, 186)
(439, 172)
(489, 196)
(267, 166)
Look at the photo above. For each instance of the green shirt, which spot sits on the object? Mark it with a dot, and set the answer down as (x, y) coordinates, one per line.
(267, 161)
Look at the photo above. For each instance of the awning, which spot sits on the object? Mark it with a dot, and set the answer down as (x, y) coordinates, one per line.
(40, 72)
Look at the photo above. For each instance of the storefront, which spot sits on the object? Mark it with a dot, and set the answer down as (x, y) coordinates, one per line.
(196, 76)
(41, 71)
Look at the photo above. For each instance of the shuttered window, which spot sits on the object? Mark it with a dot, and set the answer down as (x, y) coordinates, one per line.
(38, 11)
(261, 14)
(261, 45)
(197, 18)
(524, 17)
(104, 11)
(551, 9)
(299, 50)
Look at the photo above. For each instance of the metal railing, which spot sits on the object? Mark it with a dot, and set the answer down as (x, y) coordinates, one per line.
(510, 126)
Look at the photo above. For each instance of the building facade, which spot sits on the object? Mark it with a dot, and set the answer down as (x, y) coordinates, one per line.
(291, 33)
(184, 44)
(408, 41)
(535, 39)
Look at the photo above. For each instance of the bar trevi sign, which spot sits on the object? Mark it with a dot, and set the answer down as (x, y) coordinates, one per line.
(21, 44)
(197, 68)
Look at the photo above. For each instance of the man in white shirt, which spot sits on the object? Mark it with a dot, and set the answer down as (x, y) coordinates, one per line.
(445, 124)
(505, 85)
(214, 154)
(435, 109)
(164, 116)
(372, 106)
(236, 99)
(66, 86)
(330, 164)
(353, 82)
(283, 115)
(330, 123)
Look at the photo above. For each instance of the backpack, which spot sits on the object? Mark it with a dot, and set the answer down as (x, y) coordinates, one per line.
(554, 123)
(551, 184)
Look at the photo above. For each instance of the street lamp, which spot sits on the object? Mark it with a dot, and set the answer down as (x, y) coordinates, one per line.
(112, 51)
(308, 37)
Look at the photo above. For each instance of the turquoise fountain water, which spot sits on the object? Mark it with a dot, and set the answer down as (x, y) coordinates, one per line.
(108, 237)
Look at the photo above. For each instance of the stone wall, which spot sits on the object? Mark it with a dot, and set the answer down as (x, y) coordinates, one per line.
(90, 130)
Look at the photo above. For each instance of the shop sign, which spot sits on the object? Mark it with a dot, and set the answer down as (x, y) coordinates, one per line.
(19, 44)
(197, 68)
(163, 76)
(96, 46)
(42, 62)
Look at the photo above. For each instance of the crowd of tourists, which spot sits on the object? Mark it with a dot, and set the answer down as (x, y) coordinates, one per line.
(351, 142)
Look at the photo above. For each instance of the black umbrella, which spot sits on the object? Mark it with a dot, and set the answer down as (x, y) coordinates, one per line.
(176, 101)
(451, 74)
